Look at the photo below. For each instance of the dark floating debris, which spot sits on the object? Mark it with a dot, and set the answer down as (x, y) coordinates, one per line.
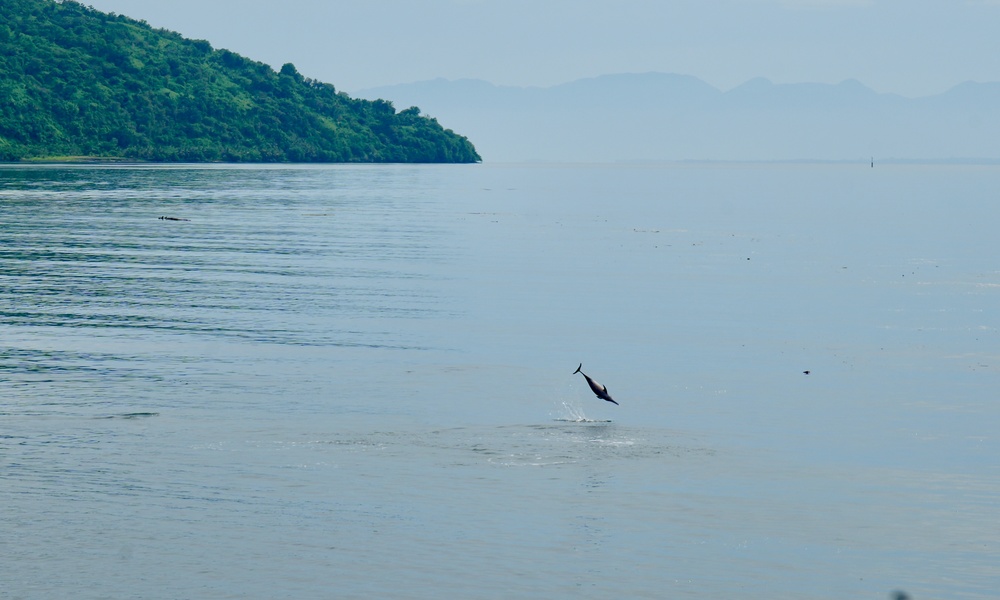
(173, 219)
(135, 415)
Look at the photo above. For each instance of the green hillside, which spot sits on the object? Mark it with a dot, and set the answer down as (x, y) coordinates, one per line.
(76, 82)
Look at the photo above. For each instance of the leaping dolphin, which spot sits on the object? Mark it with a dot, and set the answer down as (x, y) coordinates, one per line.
(600, 390)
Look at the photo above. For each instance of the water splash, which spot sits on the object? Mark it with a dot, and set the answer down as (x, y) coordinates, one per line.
(574, 414)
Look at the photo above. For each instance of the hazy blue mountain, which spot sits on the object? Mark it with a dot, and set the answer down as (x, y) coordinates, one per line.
(662, 116)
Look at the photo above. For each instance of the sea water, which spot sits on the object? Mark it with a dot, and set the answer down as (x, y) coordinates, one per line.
(357, 381)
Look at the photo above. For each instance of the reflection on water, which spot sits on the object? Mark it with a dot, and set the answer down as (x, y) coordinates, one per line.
(356, 379)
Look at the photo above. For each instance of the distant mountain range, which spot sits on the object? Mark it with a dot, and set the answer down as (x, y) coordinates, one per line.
(661, 116)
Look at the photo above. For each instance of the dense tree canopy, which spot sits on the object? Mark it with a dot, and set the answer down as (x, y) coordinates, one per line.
(78, 82)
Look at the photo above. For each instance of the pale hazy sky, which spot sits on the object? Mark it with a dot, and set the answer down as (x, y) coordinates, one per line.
(910, 47)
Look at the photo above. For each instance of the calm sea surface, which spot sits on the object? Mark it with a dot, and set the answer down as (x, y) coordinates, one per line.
(356, 381)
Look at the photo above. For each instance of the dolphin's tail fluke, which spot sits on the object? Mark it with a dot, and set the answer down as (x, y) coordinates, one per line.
(578, 369)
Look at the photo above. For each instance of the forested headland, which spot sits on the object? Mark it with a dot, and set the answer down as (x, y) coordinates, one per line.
(76, 82)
